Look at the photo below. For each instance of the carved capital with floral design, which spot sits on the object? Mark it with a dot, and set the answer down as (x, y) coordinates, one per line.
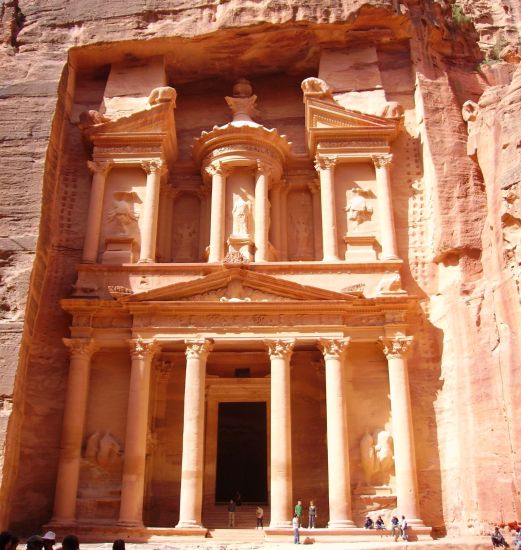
(143, 349)
(382, 161)
(396, 347)
(155, 166)
(100, 167)
(281, 348)
(333, 348)
(265, 169)
(325, 163)
(218, 168)
(80, 347)
(198, 348)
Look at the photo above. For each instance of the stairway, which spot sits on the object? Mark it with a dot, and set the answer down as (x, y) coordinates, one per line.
(215, 516)
(236, 536)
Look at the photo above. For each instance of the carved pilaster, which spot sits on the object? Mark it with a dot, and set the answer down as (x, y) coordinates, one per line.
(334, 348)
(280, 349)
(397, 347)
(198, 348)
(143, 349)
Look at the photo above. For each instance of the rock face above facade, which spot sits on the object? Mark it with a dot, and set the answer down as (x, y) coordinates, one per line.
(457, 207)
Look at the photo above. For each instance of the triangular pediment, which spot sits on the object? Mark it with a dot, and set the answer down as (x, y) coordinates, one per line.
(236, 285)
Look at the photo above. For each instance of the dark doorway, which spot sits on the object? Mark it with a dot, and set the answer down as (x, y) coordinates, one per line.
(242, 452)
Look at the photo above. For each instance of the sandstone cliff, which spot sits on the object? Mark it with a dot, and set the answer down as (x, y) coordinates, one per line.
(462, 212)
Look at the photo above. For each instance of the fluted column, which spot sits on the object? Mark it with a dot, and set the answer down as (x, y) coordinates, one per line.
(154, 169)
(396, 350)
(81, 351)
(382, 165)
(99, 172)
(325, 167)
(339, 480)
(191, 499)
(133, 479)
(276, 218)
(314, 187)
(261, 212)
(218, 171)
(281, 484)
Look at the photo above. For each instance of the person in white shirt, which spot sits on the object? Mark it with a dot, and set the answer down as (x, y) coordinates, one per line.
(296, 525)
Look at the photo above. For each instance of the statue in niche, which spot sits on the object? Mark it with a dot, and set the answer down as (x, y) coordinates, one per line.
(302, 236)
(103, 449)
(358, 210)
(241, 216)
(377, 456)
(122, 215)
(185, 234)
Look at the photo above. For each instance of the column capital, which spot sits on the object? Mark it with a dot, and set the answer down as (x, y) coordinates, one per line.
(99, 167)
(154, 166)
(217, 168)
(382, 161)
(80, 346)
(198, 348)
(280, 349)
(396, 347)
(143, 349)
(263, 167)
(325, 163)
(334, 348)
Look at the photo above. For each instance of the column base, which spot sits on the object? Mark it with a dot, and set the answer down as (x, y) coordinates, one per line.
(146, 261)
(389, 257)
(62, 522)
(415, 522)
(331, 259)
(128, 523)
(189, 524)
(341, 524)
(280, 524)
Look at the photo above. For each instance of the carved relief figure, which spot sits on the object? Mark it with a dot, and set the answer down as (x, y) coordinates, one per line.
(104, 450)
(185, 235)
(368, 457)
(122, 215)
(358, 210)
(302, 236)
(377, 456)
(241, 214)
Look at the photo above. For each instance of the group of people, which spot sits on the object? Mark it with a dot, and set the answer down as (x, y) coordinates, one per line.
(398, 527)
(498, 540)
(47, 542)
(297, 519)
(232, 508)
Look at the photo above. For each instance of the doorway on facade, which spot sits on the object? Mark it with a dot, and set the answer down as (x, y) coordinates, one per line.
(242, 452)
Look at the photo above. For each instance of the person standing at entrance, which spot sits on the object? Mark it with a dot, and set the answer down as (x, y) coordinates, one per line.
(296, 524)
(231, 513)
(259, 513)
(298, 512)
(312, 515)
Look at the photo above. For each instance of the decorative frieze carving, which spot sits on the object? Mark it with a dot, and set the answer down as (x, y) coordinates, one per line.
(333, 348)
(396, 347)
(280, 349)
(143, 349)
(198, 348)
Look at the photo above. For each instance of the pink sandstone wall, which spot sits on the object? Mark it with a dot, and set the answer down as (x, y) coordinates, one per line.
(458, 219)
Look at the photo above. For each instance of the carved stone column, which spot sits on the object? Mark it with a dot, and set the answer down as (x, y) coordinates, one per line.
(314, 187)
(261, 212)
(276, 218)
(280, 352)
(154, 169)
(81, 351)
(339, 480)
(325, 167)
(133, 479)
(99, 175)
(203, 220)
(382, 165)
(396, 350)
(284, 220)
(193, 435)
(218, 171)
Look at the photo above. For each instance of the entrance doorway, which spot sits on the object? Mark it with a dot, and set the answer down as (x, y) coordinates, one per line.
(242, 452)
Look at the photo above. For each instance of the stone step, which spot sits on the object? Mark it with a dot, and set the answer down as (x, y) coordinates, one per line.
(216, 517)
(236, 535)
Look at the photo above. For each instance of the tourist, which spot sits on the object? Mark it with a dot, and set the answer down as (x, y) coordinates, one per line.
(35, 543)
(368, 524)
(238, 498)
(298, 511)
(517, 538)
(498, 539)
(312, 515)
(231, 513)
(70, 542)
(395, 528)
(259, 514)
(296, 524)
(49, 540)
(8, 541)
(404, 528)
(118, 544)
(379, 523)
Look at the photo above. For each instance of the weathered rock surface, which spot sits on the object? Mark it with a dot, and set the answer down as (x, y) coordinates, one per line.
(460, 218)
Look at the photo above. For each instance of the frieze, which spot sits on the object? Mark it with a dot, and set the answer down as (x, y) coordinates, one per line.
(127, 149)
(361, 320)
(353, 143)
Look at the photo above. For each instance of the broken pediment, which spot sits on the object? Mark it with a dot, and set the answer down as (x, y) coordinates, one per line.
(236, 285)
